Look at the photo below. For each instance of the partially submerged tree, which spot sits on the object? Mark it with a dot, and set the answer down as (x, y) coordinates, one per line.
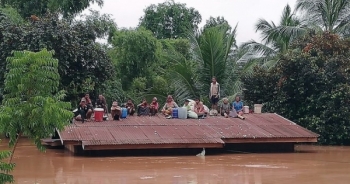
(32, 104)
(5, 168)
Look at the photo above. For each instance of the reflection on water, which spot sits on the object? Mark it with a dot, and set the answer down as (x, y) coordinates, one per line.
(310, 164)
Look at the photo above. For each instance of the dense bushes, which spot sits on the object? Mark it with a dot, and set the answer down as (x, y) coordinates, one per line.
(309, 85)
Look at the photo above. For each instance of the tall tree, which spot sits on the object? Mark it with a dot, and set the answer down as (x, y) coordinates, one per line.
(32, 104)
(210, 57)
(309, 85)
(11, 14)
(82, 61)
(170, 19)
(134, 52)
(326, 15)
(218, 21)
(6, 168)
(276, 38)
(39, 7)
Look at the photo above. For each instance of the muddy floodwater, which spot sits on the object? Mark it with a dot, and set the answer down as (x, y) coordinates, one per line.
(309, 164)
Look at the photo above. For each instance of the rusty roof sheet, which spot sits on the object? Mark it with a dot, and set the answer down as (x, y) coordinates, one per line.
(158, 130)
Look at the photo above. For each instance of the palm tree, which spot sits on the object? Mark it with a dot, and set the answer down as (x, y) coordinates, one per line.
(211, 56)
(327, 15)
(275, 39)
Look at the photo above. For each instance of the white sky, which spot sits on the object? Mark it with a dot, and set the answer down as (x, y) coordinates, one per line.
(127, 13)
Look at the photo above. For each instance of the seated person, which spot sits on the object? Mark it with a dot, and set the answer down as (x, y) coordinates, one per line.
(88, 100)
(199, 108)
(187, 105)
(83, 112)
(101, 103)
(154, 107)
(238, 107)
(225, 108)
(167, 109)
(130, 106)
(142, 108)
(116, 111)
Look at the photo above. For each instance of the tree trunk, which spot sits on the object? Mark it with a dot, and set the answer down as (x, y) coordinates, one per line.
(14, 147)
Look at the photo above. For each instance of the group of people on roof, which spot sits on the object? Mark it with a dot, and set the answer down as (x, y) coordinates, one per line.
(195, 108)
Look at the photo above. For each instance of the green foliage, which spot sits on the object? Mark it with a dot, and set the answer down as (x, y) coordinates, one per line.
(326, 15)
(11, 14)
(309, 86)
(101, 24)
(210, 56)
(170, 19)
(5, 168)
(39, 8)
(180, 45)
(32, 104)
(112, 90)
(134, 53)
(218, 21)
(276, 39)
(80, 57)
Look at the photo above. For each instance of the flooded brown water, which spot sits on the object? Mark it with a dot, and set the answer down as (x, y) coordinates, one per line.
(309, 164)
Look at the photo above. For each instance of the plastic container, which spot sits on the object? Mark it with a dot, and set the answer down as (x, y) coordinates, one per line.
(246, 109)
(124, 113)
(175, 113)
(182, 113)
(98, 113)
(257, 108)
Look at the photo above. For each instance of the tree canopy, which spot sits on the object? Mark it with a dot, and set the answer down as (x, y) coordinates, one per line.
(67, 8)
(218, 21)
(135, 50)
(6, 168)
(309, 85)
(80, 57)
(170, 19)
(32, 103)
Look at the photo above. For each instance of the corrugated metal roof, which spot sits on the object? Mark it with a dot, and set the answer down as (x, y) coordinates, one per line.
(158, 130)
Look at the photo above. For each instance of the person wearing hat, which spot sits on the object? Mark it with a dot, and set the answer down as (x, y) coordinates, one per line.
(115, 111)
(154, 106)
(83, 112)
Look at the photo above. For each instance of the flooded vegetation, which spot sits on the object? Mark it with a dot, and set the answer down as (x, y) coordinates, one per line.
(308, 164)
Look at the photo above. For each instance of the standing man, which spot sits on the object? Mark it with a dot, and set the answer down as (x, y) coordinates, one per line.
(214, 95)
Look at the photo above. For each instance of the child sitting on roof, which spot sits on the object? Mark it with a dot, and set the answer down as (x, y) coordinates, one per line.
(154, 107)
(115, 111)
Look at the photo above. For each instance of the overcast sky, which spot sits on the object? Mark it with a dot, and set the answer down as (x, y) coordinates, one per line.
(127, 13)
